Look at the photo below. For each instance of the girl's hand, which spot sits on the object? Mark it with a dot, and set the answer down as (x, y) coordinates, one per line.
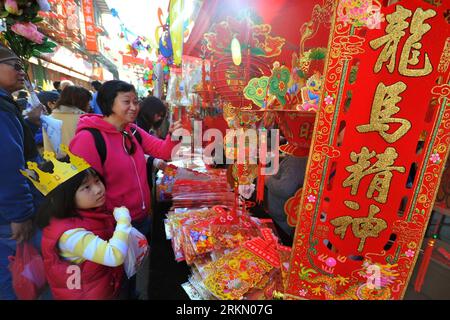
(121, 213)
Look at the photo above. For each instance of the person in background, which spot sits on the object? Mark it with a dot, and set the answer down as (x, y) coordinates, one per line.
(22, 99)
(57, 86)
(282, 186)
(18, 198)
(48, 99)
(73, 102)
(66, 83)
(151, 114)
(94, 105)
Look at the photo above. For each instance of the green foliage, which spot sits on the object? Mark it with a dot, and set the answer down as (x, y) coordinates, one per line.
(317, 54)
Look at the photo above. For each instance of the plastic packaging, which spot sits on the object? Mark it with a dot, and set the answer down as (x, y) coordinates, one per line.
(28, 273)
(138, 249)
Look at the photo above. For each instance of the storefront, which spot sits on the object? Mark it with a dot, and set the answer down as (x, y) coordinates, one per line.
(64, 64)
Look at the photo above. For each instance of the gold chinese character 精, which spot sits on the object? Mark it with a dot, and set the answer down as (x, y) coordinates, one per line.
(381, 169)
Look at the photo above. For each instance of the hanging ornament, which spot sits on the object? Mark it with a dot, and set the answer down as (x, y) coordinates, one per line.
(236, 51)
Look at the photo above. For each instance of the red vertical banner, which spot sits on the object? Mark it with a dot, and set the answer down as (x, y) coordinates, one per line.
(89, 24)
(379, 147)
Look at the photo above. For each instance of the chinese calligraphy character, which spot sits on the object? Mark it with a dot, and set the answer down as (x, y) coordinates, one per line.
(396, 25)
(413, 45)
(305, 130)
(410, 53)
(383, 107)
(362, 228)
(381, 168)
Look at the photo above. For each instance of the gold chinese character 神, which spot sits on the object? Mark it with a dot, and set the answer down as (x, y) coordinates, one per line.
(362, 228)
(410, 53)
(381, 168)
(383, 107)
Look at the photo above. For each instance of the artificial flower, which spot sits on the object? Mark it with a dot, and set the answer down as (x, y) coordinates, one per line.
(12, 7)
(29, 31)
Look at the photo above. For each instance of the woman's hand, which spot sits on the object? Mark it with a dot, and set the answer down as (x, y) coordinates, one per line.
(159, 164)
(34, 116)
(174, 126)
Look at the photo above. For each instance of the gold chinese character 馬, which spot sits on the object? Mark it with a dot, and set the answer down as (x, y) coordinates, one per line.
(383, 107)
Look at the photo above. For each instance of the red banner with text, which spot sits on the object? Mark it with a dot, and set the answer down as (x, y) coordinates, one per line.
(89, 23)
(377, 154)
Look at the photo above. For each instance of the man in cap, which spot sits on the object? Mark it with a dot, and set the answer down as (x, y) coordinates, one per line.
(18, 200)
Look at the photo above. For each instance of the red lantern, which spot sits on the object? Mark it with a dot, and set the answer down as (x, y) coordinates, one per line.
(229, 80)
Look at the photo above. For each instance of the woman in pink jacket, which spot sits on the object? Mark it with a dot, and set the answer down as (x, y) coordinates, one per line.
(123, 168)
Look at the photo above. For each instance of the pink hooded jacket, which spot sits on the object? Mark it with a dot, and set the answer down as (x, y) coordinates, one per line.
(125, 176)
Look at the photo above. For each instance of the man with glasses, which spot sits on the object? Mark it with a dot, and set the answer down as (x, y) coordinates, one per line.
(18, 200)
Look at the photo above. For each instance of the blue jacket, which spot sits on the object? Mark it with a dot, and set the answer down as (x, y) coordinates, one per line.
(95, 107)
(18, 198)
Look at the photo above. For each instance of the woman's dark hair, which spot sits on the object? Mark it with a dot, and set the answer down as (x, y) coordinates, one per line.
(96, 84)
(150, 106)
(75, 96)
(56, 84)
(108, 93)
(60, 202)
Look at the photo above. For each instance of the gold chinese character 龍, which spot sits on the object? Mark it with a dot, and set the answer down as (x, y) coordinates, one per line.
(362, 228)
(395, 31)
(381, 169)
(383, 107)
(411, 50)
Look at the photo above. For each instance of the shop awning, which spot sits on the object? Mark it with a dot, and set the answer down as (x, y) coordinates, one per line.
(59, 68)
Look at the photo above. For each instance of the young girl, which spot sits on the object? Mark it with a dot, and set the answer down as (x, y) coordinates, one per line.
(83, 245)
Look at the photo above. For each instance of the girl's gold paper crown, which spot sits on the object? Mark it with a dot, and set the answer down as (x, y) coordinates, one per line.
(62, 171)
